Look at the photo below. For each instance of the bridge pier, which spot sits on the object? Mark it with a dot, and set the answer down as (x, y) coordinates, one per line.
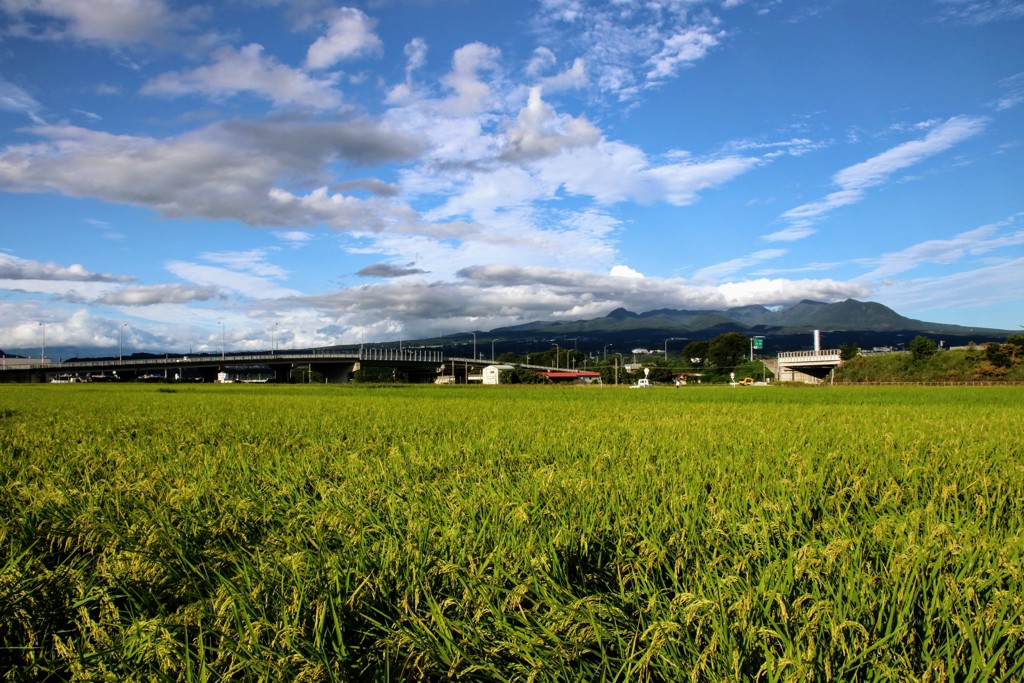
(335, 373)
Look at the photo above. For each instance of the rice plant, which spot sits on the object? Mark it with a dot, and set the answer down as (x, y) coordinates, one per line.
(316, 533)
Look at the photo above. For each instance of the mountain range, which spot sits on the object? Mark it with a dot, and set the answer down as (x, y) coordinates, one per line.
(864, 323)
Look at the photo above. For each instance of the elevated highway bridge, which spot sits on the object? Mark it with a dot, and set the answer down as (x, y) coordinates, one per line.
(335, 367)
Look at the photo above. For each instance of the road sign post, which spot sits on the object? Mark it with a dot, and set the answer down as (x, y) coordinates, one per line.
(755, 343)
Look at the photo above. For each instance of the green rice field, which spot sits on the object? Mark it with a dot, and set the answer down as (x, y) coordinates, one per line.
(511, 533)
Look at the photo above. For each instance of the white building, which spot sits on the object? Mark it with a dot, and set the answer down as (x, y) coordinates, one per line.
(492, 373)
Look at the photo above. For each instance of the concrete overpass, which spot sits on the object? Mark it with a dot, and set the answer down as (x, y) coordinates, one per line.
(812, 367)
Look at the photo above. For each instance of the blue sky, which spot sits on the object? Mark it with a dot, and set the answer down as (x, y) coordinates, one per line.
(172, 173)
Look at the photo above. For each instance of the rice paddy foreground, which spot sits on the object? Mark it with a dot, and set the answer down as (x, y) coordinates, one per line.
(317, 533)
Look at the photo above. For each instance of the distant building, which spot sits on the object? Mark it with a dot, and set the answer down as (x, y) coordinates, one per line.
(579, 376)
(492, 373)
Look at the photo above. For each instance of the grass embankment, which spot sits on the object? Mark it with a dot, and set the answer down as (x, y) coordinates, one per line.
(996, 363)
(510, 533)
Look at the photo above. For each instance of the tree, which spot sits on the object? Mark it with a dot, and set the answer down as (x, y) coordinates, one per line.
(848, 351)
(521, 376)
(997, 355)
(696, 353)
(921, 348)
(1014, 347)
(726, 350)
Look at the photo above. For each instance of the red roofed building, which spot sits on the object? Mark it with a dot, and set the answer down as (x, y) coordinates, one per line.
(582, 376)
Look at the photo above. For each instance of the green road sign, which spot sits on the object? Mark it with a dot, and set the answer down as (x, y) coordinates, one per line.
(758, 342)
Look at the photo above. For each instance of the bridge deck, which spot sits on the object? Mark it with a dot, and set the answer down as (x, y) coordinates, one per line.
(798, 358)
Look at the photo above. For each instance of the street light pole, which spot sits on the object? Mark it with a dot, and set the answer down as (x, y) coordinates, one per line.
(474, 346)
(42, 348)
(222, 338)
(120, 342)
(556, 355)
(272, 338)
(606, 351)
(492, 350)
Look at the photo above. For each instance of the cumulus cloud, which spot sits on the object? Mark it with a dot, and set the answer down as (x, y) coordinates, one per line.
(541, 63)
(854, 181)
(542, 60)
(471, 92)
(624, 271)
(235, 71)
(159, 294)
(14, 268)
(539, 132)
(349, 34)
(224, 171)
(109, 22)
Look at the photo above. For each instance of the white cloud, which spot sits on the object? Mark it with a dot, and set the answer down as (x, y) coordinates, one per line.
(613, 172)
(990, 283)
(16, 99)
(14, 268)
(416, 57)
(159, 294)
(349, 34)
(1013, 92)
(682, 49)
(471, 93)
(251, 260)
(981, 11)
(571, 79)
(248, 70)
(624, 271)
(975, 242)
(543, 59)
(294, 238)
(628, 46)
(538, 132)
(854, 181)
(791, 234)
(416, 54)
(716, 272)
(226, 279)
(225, 171)
(110, 22)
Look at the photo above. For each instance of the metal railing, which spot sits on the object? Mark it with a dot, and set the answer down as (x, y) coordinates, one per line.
(828, 355)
